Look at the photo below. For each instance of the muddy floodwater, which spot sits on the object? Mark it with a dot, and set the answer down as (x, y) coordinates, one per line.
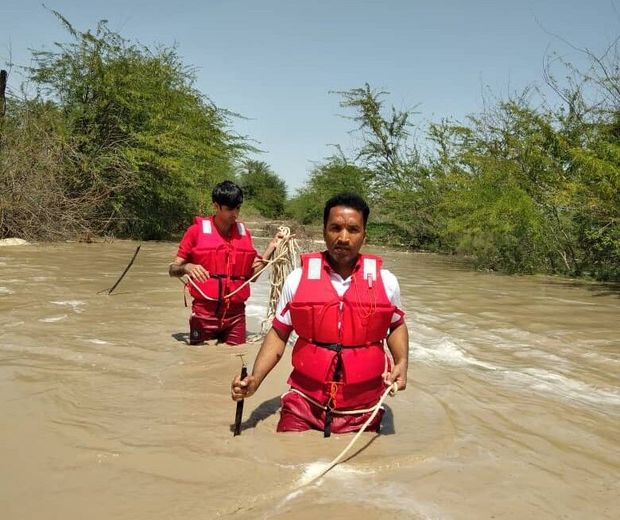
(512, 409)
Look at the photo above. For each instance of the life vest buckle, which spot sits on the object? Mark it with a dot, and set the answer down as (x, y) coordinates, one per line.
(334, 347)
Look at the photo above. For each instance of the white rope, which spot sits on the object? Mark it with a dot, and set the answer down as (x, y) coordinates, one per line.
(392, 389)
(335, 412)
(288, 250)
(185, 279)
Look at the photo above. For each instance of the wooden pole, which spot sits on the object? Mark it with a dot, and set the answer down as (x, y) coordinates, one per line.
(3, 77)
(239, 411)
(125, 271)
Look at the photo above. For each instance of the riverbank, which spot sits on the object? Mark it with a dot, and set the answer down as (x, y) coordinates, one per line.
(310, 238)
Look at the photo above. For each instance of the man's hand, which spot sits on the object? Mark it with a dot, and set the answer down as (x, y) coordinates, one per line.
(274, 243)
(240, 389)
(270, 353)
(397, 375)
(196, 271)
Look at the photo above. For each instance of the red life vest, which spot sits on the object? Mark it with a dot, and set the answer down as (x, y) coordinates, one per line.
(229, 261)
(364, 313)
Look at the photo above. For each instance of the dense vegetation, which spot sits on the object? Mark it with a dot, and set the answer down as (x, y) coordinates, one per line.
(519, 188)
(112, 138)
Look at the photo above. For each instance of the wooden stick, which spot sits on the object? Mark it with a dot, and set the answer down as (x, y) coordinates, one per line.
(239, 411)
(3, 77)
(125, 271)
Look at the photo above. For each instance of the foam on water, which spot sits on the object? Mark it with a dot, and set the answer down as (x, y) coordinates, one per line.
(543, 351)
(312, 471)
(6, 290)
(13, 242)
(550, 382)
(259, 311)
(445, 351)
(52, 319)
(357, 485)
(74, 304)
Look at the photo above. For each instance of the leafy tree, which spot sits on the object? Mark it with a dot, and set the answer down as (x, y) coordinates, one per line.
(385, 149)
(37, 199)
(142, 132)
(262, 188)
(397, 182)
(335, 176)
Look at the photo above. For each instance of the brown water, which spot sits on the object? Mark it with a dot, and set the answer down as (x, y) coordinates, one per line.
(512, 409)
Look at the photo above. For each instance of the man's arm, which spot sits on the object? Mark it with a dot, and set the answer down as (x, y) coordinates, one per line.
(259, 263)
(268, 356)
(398, 343)
(180, 267)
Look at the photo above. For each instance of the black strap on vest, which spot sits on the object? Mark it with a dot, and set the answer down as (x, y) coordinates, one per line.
(336, 347)
(329, 409)
(329, 415)
(220, 276)
(219, 295)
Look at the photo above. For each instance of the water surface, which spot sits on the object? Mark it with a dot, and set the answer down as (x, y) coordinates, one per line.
(511, 411)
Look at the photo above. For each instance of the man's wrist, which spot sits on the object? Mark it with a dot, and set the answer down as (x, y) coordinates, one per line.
(177, 269)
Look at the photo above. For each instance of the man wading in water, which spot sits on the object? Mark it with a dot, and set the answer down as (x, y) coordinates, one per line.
(218, 256)
(343, 307)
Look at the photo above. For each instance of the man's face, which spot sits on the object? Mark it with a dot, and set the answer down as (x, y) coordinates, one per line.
(344, 234)
(226, 215)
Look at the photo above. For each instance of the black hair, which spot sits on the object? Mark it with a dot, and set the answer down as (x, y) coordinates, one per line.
(349, 200)
(227, 193)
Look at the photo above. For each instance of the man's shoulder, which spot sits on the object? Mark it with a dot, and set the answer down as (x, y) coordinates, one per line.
(293, 279)
(389, 277)
(197, 223)
(295, 274)
(192, 230)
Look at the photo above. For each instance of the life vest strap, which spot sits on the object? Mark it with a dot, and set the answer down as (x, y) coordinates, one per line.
(220, 290)
(334, 347)
(220, 276)
(337, 347)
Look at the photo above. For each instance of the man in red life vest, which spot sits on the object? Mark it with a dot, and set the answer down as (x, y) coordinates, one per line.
(218, 256)
(343, 307)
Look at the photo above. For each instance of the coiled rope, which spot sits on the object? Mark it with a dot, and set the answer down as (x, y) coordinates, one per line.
(287, 252)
